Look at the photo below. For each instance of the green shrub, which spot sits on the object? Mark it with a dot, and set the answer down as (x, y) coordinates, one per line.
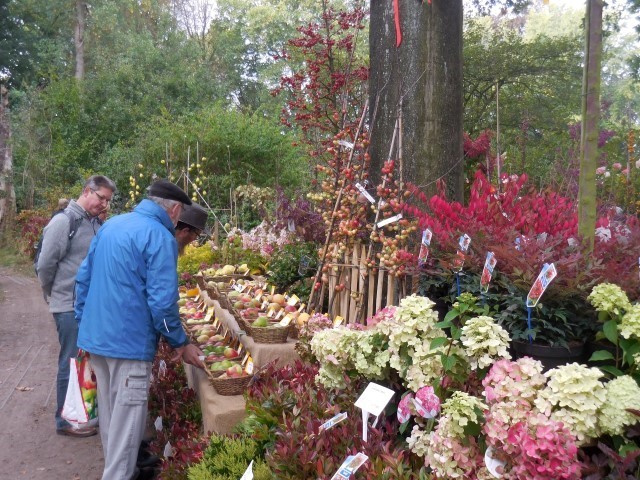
(288, 272)
(194, 257)
(229, 457)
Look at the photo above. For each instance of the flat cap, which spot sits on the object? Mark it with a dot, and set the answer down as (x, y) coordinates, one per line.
(195, 216)
(170, 191)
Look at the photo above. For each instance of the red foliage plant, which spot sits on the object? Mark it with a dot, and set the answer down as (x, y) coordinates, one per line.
(180, 411)
(544, 223)
(287, 409)
(30, 224)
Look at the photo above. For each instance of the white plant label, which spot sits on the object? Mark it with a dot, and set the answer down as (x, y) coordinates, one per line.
(248, 473)
(372, 401)
(333, 421)
(365, 194)
(387, 221)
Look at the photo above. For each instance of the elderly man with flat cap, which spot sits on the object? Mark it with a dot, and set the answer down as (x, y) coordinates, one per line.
(126, 298)
(192, 223)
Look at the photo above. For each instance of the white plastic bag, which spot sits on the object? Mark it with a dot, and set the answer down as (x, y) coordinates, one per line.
(80, 407)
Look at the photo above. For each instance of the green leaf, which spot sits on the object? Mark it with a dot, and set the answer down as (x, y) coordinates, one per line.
(601, 355)
(612, 370)
(448, 362)
(455, 332)
(610, 329)
(438, 342)
(451, 314)
(442, 325)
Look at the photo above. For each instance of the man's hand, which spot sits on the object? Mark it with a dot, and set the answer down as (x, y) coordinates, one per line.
(189, 354)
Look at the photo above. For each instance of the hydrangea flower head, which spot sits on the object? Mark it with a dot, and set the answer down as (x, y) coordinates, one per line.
(629, 326)
(573, 395)
(622, 393)
(610, 298)
(484, 341)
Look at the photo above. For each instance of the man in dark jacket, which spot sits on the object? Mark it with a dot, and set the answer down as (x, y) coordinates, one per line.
(58, 264)
(193, 221)
(126, 298)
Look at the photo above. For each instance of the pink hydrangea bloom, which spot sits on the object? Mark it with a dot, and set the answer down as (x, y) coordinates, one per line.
(386, 313)
(427, 402)
(543, 449)
(617, 166)
(404, 411)
(601, 170)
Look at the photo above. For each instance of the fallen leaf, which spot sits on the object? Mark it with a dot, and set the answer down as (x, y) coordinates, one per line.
(24, 389)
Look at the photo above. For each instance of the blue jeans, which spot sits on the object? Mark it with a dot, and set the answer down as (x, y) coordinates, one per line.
(68, 337)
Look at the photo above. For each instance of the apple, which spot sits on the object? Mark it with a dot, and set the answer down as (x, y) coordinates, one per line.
(245, 298)
(302, 318)
(202, 338)
(234, 371)
(239, 305)
(278, 298)
(290, 309)
(230, 352)
(274, 306)
(261, 322)
(255, 303)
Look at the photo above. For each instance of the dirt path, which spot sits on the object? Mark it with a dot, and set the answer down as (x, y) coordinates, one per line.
(29, 445)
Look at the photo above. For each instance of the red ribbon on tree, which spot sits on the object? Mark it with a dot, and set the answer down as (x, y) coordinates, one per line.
(396, 17)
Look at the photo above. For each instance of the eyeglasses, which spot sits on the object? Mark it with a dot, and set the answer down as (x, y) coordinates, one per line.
(101, 197)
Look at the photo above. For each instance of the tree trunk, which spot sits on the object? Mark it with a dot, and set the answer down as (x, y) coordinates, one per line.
(7, 192)
(590, 124)
(421, 80)
(81, 13)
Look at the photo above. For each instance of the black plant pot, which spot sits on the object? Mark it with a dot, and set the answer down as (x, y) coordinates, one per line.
(550, 356)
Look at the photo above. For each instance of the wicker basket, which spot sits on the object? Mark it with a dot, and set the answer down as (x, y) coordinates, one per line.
(201, 283)
(270, 334)
(213, 374)
(293, 331)
(230, 386)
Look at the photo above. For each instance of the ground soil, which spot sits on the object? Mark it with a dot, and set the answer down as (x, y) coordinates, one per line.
(29, 445)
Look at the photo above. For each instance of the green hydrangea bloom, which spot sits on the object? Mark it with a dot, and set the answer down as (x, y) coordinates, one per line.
(621, 393)
(629, 326)
(573, 395)
(610, 298)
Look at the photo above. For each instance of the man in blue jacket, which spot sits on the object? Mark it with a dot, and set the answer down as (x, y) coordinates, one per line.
(126, 298)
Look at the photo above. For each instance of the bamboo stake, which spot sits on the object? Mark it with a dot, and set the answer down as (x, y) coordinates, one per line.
(371, 280)
(354, 285)
(391, 289)
(375, 221)
(379, 290)
(335, 209)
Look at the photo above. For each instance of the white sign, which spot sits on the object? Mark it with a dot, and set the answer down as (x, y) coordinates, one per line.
(248, 474)
(364, 193)
(389, 220)
(374, 398)
(372, 402)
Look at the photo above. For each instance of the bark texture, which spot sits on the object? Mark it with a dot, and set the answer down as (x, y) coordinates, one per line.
(7, 192)
(81, 20)
(421, 80)
(590, 123)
